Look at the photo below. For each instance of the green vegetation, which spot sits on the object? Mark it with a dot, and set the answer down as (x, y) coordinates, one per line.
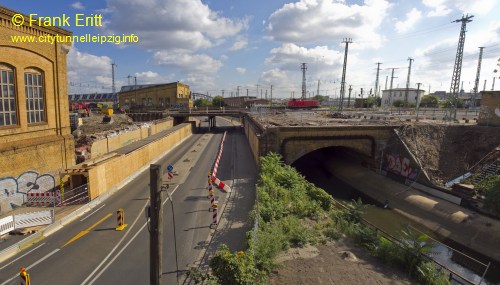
(490, 188)
(429, 101)
(373, 101)
(291, 212)
(398, 103)
(218, 101)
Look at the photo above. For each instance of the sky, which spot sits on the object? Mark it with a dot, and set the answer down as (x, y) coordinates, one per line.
(231, 45)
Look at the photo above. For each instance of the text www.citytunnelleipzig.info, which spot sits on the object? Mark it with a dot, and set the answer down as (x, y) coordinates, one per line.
(87, 38)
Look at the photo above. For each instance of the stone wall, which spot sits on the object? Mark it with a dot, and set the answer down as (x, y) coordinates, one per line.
(489, 114)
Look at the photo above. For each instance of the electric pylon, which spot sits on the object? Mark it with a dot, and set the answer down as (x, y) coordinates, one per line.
(457, 69)
(303, 67)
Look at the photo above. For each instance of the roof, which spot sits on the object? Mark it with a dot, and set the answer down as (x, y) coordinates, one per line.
(127, 88)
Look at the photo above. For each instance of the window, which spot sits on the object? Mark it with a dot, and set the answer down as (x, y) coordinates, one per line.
(8, 109)
(162, 102)
(150, 102)
(35, 103)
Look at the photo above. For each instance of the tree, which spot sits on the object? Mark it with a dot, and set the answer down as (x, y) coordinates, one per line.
(218, 101)
(201, 102)
(491, 188)
(429, 101)
(373, 101)
(398, 103)
(320, 98)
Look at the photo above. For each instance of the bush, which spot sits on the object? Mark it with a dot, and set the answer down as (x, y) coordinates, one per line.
(235, 268)
(491, 189)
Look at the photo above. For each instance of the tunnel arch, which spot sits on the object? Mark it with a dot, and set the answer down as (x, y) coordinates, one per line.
(293, 148)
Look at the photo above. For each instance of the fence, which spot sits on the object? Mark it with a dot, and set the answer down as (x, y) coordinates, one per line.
(20, 221)
(78, 195)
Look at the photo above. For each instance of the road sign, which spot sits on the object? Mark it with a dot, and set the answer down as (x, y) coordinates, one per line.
(170, 168)
(170, 175)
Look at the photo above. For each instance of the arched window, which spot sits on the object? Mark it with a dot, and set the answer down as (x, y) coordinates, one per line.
(35, 96)
(8, 108)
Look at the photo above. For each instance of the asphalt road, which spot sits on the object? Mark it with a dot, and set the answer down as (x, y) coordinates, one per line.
(91, 251)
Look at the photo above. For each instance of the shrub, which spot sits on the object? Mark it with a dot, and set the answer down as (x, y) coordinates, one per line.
(235, 268)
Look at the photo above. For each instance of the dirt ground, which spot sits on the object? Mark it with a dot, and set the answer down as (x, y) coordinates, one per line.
(447, 152)
(329, 264)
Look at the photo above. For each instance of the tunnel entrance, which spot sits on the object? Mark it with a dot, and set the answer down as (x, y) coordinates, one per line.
(312, 166)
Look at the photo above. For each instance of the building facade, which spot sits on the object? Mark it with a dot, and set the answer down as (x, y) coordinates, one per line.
(155, 97)
(35, 136)
(391, 95)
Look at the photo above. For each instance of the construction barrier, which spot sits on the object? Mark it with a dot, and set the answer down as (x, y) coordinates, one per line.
(25, 277)
(120, 218)
(43, 198)
(214, 217)
(34, 219)
(213, 203)
(217, 182)
(7, 225)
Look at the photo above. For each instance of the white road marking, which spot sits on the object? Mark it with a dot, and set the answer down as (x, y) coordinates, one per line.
(118, 244)
(92, 213)
(32, 265)
(21, 257)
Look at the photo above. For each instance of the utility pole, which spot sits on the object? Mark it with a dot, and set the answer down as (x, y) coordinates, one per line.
(303, 67)
(271, 96)
(455, 81)
(386, 77)
(237, 91)
(493, 84)
(484, 86)
(347, 41)
(417, 101)
(128, 79)
(478, 72)
(349, 100)
(257, 94)
(247, 92)
(113, 87)
(317, 93)
(156, 231)
(376, 78)
(390, 88)
(408, 82)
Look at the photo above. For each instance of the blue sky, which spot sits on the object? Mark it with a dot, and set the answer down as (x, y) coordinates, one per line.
(222, 44)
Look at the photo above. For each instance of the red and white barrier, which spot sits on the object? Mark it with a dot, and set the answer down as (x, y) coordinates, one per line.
(213, 203)
(214, 217)
(221, 185)
(43, 198)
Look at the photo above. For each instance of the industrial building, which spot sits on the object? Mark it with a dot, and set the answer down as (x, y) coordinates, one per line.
(389, 96)
(173, 95)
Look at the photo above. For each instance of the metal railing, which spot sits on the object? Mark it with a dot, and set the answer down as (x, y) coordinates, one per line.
(78, 195)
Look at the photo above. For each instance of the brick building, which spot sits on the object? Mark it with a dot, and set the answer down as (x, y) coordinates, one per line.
(173, 95)
(35, 138)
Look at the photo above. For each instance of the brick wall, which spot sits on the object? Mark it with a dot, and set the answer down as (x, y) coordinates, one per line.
(45, 146)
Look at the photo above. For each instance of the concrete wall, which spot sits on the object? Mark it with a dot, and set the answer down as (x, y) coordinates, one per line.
(489, 115)
(107, 174)
(254, 133)
(112, 143)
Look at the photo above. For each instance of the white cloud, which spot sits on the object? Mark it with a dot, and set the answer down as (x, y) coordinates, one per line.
(241, 70)
(444, 7)
(274, 77)
(412, 18)
(171, 24)
(199, 69)
(320, 59)
(313, 21)
(88, 73)
(78, 6)
(151, 77)
(240, 43)
(201, 63)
